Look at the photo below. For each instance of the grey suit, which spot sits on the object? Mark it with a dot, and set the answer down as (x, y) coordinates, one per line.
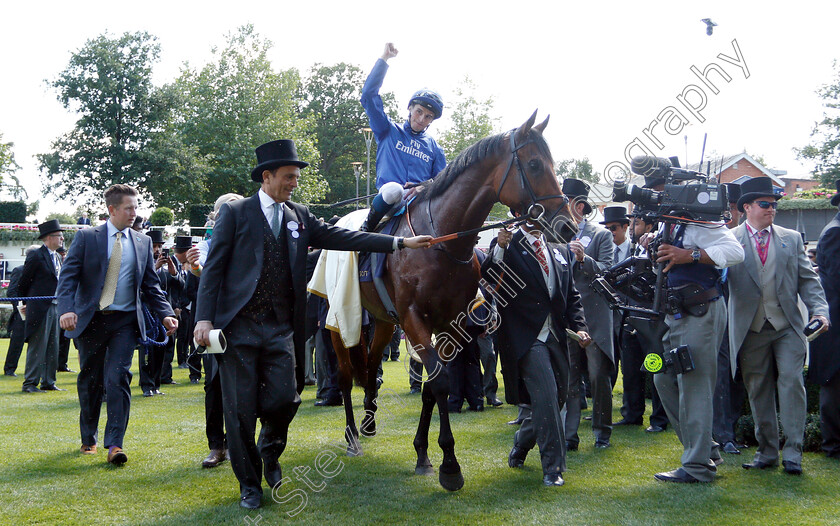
(771, 347)
(598, 255)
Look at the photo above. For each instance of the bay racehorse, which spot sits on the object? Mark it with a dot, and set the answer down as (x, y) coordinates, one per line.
(430, 288)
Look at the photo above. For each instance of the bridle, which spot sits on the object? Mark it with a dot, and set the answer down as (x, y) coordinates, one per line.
(535, 209)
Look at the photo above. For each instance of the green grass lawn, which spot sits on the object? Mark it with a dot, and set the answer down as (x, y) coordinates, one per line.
(45, 480)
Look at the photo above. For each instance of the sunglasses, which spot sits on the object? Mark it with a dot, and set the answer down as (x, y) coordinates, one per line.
(767, 204)
(612, 228)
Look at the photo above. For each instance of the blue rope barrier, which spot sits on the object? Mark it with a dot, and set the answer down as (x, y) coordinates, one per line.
(29, 298)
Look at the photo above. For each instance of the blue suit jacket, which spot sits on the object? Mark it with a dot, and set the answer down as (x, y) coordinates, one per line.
(83, 277)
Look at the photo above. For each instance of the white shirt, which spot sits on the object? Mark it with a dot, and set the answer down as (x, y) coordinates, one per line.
(718, 242)
(267, 205)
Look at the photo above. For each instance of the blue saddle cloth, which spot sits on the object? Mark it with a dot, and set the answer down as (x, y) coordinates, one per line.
(365, 274)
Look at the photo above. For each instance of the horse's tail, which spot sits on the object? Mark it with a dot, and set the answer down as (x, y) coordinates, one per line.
(358, 361)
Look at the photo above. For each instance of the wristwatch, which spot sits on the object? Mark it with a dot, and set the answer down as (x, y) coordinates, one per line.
(400, 243)
(695, 255)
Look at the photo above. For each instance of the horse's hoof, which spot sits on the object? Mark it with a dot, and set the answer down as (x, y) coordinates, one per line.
(451, 482)
(367, 432)
(425, 470)
(354, 451)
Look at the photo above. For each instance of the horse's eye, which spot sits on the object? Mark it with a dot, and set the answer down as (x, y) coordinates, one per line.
(534, 165)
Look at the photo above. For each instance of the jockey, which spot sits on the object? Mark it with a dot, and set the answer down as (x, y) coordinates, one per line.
(405, 155)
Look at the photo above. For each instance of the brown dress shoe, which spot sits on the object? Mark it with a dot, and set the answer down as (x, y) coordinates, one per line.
(216, 457)
(116, 456)
(88, 450)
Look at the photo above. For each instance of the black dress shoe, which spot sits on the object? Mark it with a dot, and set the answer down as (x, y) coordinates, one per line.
(571, 446)
(31, 389)
(625, 422)
(66, 370)
(216, 457)
(414, 390)
(12, 374)
(250, 498)
(328, 402)
(654, 429)
(272, 472)
(148, 393)
(169, 382)
(495, 402)
(602, 444)
(731, 448)
(757, 464)
(516, 459)
(515, 422)
(791, 468)
(553, 480)
(679, 475)
(194, 380)
(51, 388)
(476, 408)
(159, 392)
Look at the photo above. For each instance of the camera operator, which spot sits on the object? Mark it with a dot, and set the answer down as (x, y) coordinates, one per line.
(692, 260)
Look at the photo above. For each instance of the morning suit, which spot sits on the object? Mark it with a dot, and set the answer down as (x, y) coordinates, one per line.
(39, 278)
(535, 361)
(253, 287)
(106, 339)
(16, 326)
(825, 350)
(599, 251)
(766, 338)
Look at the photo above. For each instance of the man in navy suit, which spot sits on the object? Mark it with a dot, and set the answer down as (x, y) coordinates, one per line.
(106, 269)
(39, 278)
(537, 302)
(253, 288)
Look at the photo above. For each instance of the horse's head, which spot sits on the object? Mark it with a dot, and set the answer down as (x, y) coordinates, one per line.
(529, 185)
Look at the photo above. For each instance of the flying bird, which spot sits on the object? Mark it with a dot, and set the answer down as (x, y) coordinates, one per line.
(710, 26)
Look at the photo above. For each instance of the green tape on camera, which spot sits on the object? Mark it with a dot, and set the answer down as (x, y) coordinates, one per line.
(653, 363)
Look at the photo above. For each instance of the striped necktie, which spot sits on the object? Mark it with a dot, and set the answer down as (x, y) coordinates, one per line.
(540, 255)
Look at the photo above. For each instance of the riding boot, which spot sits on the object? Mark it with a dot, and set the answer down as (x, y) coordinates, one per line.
(378, 209)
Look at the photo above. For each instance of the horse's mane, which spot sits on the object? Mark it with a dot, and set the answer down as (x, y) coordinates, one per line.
(473, 154)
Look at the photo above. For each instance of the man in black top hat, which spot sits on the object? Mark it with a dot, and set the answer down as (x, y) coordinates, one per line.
(40, 278)
(593, 251)
(824, 367)
(253, 289)
(185, 308)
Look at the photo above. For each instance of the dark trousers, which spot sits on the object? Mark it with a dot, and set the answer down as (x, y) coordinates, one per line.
(830, 416)
(106, 348)
(633, 407)
(63, 351)
(150, 364)
(258, 381)
(214, 414)
(42, 352)
(598, 368)
(17, 330)
(465, 375)
(489, 360)
(183, 342)
(168, 354)
(545, 372)
(729, 396)
(326, 367)
(415, 374)
(392, 350)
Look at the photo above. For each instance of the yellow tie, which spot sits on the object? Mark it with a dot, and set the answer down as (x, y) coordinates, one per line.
(110, 288)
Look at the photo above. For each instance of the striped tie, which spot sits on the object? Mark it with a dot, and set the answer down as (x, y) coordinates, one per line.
(540, 256)
(110, 288)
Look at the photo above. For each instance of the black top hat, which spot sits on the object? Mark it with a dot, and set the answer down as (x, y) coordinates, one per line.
(49, 227)
(733, 191)
(836, 198)
(577, 190)
(333, 220)
(615, 214)
(156, 235)
(274, 154)
(183, 243)
(756, 187)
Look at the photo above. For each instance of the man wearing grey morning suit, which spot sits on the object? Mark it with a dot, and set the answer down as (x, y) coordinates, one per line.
(594, 251)
(765, 324)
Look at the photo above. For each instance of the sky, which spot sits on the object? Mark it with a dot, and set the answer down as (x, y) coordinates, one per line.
(603, 71)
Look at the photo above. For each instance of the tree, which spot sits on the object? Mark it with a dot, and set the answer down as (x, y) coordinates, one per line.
(162, 216)
(63, 218)
(330, 95)
(233, 104)
(8, 166)
(108, 83)
(577, 169)
(824, 149)
(472, 120)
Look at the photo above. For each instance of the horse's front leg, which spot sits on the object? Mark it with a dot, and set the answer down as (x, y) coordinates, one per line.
(435, 390)
(345, 383)
(381, 337)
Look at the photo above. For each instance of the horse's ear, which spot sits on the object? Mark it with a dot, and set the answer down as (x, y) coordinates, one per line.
(541, 126)
(523, 130)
